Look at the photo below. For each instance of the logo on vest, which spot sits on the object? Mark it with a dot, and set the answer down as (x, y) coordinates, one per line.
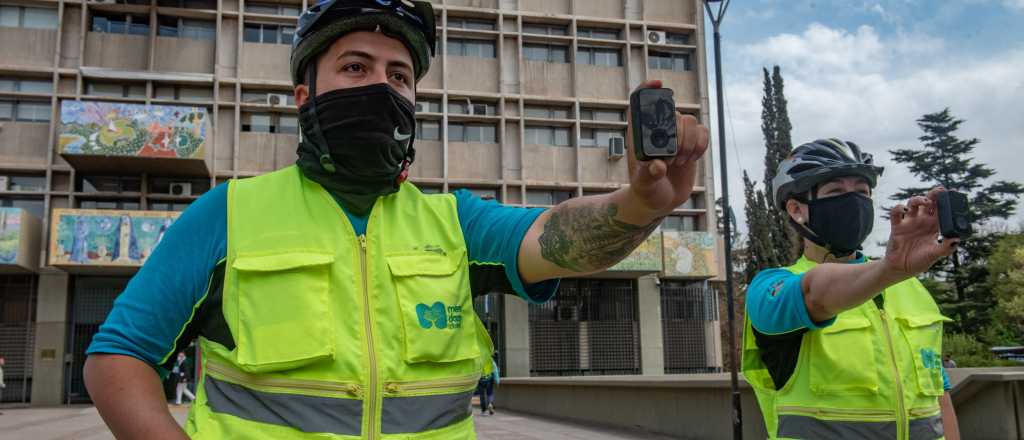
(439, 316)
(930, 359)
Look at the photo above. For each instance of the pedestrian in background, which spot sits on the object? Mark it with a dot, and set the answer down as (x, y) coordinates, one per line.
(485, 388)
(180, 374)
(2, 384)
(948, 361)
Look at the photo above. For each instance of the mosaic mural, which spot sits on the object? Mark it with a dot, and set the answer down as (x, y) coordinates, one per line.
(689, 254)
(119, 129)
(106, 238)
(645, 258)
(10, 235)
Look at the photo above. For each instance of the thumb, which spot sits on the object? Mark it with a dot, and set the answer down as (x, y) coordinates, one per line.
(650, 172)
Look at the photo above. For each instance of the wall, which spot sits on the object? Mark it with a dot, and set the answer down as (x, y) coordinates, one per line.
(684, 84)
(51, 327)
(547, 79)
(601, 82)
(545, 6)
(263, 152)
(265, 61)
(600, 8)
(70, 49)
(597, 168)
(669, 11)
(183, 55)
(490, 4)
(470, 160)
(473, 74)
(429, 160)
(35, 46)
(549, 163)
(225, 139)
(227, 58)
(23, 143)
(129, 52)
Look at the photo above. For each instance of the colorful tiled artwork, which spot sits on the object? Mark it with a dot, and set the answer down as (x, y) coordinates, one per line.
(645, 258)
(120, 129)
(105, 238)
(689, 254)
(10, 234)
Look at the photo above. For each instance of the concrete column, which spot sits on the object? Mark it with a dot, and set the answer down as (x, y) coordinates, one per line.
(713, 343)
(51, 330)
(517, 337)
(652, 358)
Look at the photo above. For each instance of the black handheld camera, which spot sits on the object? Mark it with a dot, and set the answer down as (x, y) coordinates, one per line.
(654, 123)
(953, 219)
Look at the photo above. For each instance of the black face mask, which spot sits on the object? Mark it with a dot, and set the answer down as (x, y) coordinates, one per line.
(839, 224)
(357, 143)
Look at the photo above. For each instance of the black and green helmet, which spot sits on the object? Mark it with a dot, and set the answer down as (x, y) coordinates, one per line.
(814, 163)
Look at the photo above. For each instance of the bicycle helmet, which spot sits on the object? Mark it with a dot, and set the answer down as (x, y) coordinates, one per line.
(814, 163)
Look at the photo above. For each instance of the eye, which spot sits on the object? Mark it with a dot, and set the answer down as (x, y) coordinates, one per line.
(354, 68)
(400, 77)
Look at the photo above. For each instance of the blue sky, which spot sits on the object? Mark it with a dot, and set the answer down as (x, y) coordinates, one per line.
(866, 70)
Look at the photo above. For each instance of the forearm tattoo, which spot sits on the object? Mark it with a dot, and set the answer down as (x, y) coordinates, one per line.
(586, 238)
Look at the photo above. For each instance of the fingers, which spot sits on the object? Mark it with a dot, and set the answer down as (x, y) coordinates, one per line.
(916, 204)
(933, 194)
(650, 84)
(896, 215)
(686, 133)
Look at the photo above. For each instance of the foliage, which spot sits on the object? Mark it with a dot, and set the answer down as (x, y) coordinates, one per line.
(968, 351)
(945, 159)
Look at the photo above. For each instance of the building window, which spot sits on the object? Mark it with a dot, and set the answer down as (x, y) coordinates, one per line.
(272, 9)
(679, 223)
(115, 90)
(9, 84)
(187, 4)
(551, 53)
(260, 97)
(599, 33)
(109, 204)
(679, 62)
(472, 24)
(32, 206)
(26, 183)
(268, 33)
(24, 111)
(183, 93)
(601, 114)
(599, 56)
(480, 133)
(110, 184)
(270, 123)
(598, 137)
(546, 197)
(113, 23)
(677, 38)
(466, 107)
(424, 105)
(545, 29)
(428, 130)
(178, 27)
(533, 111)
(471, 48)
(28, 17)
(544, 135)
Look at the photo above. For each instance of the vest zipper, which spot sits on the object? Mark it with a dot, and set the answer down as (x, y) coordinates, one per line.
(842, 414)
(371, 352)
(453, 385)
(284, 384)
(901, 428)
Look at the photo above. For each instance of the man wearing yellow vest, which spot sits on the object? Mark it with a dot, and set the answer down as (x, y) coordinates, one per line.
(835, 346)
(331, 299)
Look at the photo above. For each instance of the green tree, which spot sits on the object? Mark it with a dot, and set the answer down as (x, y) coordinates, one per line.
(1006, 280)
(945, 159)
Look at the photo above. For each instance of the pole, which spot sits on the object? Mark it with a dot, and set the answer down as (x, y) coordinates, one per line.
(737, 418)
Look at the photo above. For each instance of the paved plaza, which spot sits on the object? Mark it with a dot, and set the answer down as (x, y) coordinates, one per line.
(84, 423)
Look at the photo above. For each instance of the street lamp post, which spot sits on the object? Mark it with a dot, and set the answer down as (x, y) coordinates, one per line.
(716, 20)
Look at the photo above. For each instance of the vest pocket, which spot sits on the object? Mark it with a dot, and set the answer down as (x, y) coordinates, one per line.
(842, 358)
(923, 334)
(284, 320)
(436, 307)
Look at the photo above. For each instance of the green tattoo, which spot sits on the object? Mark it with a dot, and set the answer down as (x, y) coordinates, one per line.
(587, 238)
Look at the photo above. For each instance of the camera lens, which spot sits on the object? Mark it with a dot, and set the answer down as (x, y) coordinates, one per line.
(659, 137)
(961, 222)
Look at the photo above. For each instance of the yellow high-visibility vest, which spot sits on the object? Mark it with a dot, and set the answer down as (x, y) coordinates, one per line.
(874, 373)
(341, 336)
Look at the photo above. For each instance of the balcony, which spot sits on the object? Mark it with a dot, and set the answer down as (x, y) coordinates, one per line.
(99, 137)
(671, 254)
(19, 241)
(105, 241)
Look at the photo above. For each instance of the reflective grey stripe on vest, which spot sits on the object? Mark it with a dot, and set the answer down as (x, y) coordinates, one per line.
(305, 413)
(805, 427)
(400, 415)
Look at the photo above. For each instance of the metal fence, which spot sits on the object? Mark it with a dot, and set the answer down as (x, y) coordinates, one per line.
(688, 311)
(590, 327)
(92, 299)
(490, 308)
(17, 335)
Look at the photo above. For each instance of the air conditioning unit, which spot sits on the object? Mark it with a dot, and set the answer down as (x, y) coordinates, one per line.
(5, 183)
(181, 188)
(479, 109)
(616, 147)
(276, 99)
(657, 37)
(421, 107)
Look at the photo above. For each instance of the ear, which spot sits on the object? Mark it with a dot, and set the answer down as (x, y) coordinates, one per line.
(301, 94)
(796, 210)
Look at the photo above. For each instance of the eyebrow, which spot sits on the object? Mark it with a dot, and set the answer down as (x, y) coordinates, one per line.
(369, 56)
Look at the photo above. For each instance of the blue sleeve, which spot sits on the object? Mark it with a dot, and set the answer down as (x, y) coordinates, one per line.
(160, 300)
(493, 233)
(775, 303)
(945, 380)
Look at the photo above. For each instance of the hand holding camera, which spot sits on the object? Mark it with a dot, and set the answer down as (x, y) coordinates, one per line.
(914, 245)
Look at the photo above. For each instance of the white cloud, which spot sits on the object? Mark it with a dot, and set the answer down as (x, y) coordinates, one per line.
(861, 87)
(1017, 5)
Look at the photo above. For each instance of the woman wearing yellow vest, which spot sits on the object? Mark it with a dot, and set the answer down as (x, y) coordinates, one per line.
(331, 299)
(835, 346)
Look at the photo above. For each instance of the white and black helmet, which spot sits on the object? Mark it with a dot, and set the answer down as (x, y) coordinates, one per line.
(814, 163)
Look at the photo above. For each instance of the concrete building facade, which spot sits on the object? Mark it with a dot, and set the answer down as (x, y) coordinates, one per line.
(116, 114)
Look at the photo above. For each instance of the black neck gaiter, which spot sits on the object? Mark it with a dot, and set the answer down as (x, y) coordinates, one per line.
(357, 142)
(839, 224)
